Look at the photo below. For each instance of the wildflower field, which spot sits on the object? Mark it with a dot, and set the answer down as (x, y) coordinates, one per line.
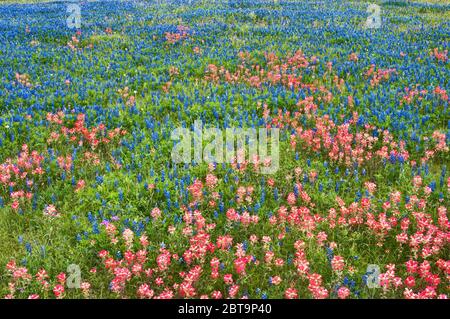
(353, 201)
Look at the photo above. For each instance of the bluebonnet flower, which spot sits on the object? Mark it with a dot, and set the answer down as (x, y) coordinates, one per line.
(28, 248)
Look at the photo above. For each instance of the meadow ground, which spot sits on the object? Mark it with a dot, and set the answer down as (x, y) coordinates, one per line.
(92, 204)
